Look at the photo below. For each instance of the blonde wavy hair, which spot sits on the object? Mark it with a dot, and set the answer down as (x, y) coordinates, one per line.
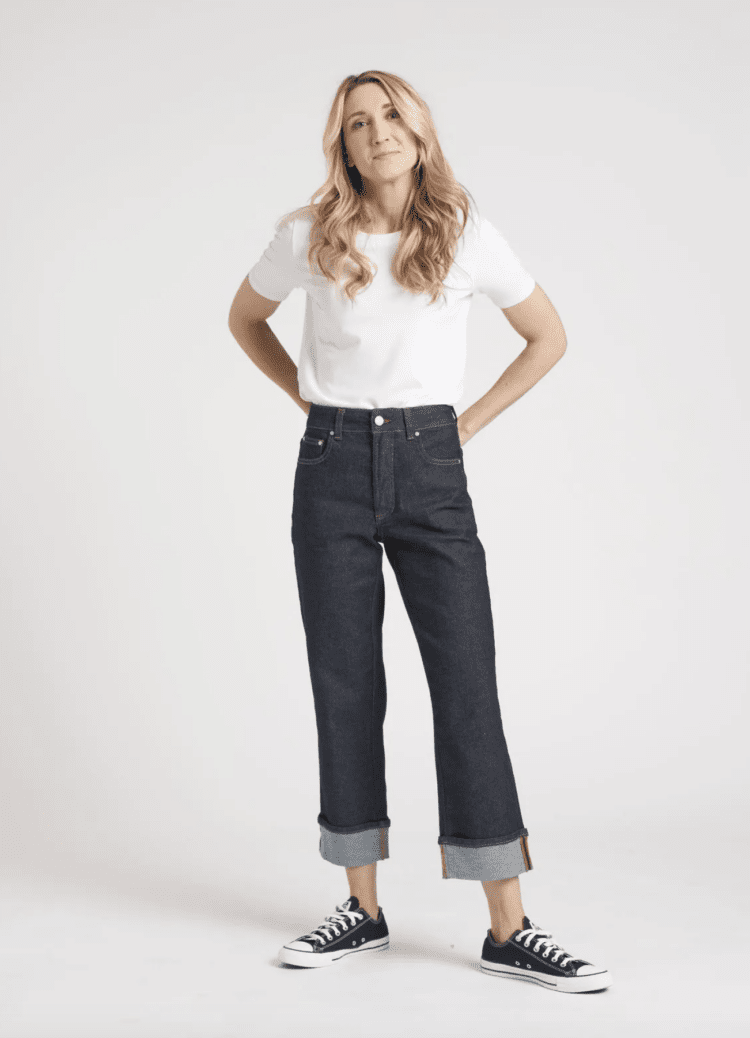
(432, 227)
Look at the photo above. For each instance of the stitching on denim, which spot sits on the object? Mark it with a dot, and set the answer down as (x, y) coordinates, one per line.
(428, 425)
(499, 842)
(439, 461)
(519, 842)
(441, 806)
(527, 856)
(316, 461)
(434, 425)
(355, 829)
(375, 673)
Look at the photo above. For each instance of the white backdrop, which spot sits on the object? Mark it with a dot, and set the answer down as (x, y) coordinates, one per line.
(158, 743)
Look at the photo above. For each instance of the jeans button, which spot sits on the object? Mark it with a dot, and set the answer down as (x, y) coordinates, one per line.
(379, 420)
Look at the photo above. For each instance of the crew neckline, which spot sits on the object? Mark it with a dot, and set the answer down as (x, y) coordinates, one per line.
(372, 234)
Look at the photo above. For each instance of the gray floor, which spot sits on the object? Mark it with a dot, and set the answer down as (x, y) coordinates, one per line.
(666, 910)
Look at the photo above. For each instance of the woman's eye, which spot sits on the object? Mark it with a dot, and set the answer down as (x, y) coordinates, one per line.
(394, 112)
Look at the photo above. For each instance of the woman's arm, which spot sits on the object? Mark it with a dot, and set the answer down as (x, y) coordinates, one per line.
(247, 323)
(536, 320)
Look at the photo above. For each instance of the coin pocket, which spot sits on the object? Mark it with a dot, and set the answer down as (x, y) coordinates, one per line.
(313, 449)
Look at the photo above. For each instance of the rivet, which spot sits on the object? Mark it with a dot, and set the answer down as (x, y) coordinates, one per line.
(416, 433)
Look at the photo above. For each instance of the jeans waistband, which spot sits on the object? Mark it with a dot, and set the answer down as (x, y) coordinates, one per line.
(337, 420)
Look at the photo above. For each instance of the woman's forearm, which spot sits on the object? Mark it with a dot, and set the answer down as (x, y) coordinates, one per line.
(259, 342)
(529, 366)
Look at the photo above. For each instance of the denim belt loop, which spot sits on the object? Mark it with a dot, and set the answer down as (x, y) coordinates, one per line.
(339, 423)
(410, 423)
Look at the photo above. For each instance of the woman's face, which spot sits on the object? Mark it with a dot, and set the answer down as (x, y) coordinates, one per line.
(373, 126)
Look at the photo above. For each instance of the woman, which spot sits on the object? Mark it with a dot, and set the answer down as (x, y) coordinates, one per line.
(389, 258)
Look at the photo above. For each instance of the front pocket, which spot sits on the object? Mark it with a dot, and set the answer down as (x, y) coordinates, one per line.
(314, 449)
(440, 445)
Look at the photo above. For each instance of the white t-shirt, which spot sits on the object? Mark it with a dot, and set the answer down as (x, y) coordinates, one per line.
(388, 347)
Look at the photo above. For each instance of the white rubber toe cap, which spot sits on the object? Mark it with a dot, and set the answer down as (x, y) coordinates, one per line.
(586, 971)
(302, 946)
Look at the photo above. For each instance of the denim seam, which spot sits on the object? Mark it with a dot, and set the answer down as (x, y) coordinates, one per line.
(439, 425)
(442, 806)
(503, 841)
(372, 826)
(374, 679)
(376, 430)
(438, 762)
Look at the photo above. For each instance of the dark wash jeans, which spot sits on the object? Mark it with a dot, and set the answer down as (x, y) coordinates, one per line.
(393, 478)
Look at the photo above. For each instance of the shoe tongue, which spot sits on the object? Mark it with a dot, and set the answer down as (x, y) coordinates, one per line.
(350, 904)
(528, 925)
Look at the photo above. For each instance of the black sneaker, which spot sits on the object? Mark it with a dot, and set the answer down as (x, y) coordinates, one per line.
(350, 929)
(531, 954)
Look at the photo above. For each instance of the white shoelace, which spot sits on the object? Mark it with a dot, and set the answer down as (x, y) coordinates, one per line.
(343, 918)
(544, 937)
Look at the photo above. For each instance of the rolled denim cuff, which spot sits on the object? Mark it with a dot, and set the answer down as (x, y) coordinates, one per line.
(355, 845)
(485, 859)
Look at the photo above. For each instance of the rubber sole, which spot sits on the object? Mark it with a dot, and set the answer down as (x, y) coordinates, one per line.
(592, 982)
(313, 959)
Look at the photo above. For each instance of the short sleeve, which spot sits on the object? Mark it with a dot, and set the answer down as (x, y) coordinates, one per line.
(276, 273)
(499, 272)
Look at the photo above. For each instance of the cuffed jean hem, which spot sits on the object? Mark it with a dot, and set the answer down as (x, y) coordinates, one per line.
(485, 859)
(355, 845)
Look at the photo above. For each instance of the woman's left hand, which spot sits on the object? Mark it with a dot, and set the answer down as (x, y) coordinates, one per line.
(463, 435)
